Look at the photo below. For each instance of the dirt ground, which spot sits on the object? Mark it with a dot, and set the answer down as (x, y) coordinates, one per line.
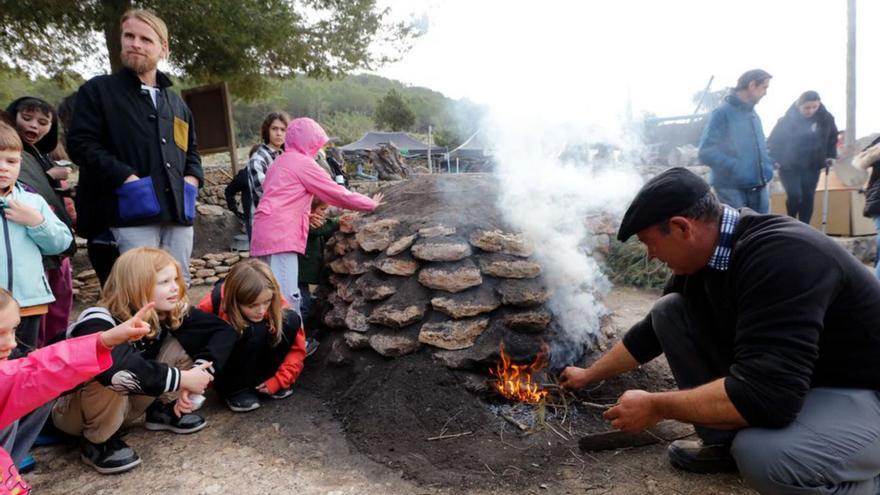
(362, 427)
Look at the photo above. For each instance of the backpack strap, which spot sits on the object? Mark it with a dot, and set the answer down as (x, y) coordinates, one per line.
(90, 314)
(216, 297)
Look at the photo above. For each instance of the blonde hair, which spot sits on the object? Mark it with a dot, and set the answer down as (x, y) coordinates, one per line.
(6, 298)
(9, 138)
(130, 287)
(149, 18)
(244, 284)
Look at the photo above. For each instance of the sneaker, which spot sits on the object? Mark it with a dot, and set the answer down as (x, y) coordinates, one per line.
(110, 457)
(243, 401)
(693, 456)
(161, 417)
(27, 464)
(282, 394)
(311, 346)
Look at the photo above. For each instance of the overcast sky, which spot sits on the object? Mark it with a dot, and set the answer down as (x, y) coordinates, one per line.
(583, 60)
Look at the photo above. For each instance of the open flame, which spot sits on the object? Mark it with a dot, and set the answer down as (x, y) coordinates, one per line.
(515, 381)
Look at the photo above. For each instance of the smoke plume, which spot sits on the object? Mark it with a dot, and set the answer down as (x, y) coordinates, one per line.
(554, 177)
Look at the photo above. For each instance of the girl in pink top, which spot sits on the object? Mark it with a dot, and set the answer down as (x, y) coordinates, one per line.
(281, 222)
(29, 382)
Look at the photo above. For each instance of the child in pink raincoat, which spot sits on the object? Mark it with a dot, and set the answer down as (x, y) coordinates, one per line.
(281, 222)
(29, 382)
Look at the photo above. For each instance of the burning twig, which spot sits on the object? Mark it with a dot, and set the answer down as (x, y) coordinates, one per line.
(444, 437)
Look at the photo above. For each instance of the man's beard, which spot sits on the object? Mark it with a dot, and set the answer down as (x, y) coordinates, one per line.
(139, 65)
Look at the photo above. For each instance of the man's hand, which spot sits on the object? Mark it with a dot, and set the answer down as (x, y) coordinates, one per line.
(23, 214)
(574, 377)
(58, 173)
(193, 180)
(132, 329)
(379, 198)
(262, 388)
(634, 411)
(131, 178)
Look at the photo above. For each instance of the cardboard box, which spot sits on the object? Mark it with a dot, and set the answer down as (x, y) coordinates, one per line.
(845, 207)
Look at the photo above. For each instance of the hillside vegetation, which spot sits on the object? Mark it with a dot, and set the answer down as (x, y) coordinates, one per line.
(346, 107)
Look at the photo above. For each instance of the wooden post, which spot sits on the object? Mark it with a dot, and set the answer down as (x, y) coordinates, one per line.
(430, 168)
(850, 72)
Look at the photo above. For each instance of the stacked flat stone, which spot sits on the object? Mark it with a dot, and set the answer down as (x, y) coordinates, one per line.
(459, 291)
(212, 267)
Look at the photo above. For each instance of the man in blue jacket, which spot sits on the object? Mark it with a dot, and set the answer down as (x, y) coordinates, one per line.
(733, 146)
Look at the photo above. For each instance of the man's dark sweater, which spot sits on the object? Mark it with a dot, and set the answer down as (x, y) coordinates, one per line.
(794, 311)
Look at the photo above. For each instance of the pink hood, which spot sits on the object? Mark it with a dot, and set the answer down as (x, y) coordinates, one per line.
(306, 136)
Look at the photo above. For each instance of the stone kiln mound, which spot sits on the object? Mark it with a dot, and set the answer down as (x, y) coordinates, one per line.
(436, 268)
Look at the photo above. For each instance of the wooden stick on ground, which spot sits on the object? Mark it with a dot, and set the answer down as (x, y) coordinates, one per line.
(444, 437)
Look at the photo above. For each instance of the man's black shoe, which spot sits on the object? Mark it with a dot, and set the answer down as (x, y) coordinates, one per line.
(111, 457)
(161, 417)
(693, 456)
(243, 401)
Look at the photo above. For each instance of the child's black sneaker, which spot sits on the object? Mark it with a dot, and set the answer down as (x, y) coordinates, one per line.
(243, 401)
(111, 457)
(282, 394)
(161, 417)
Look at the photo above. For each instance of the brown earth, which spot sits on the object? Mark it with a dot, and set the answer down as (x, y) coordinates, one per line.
(362, 426)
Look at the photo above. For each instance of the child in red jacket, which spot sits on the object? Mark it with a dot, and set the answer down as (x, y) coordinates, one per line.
(29, 382)
(268, 356)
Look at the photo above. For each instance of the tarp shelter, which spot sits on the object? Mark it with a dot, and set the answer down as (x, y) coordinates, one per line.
(407, 145)
(475, 148)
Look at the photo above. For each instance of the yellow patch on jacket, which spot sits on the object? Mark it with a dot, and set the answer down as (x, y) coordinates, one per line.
(181, 134)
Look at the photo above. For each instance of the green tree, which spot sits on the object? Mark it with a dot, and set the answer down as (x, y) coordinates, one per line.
(393, 113)
(239, 41)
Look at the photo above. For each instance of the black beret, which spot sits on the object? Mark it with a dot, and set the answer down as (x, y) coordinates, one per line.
(662, 197)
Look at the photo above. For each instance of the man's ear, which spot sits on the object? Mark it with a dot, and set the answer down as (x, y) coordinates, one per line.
(683, 225)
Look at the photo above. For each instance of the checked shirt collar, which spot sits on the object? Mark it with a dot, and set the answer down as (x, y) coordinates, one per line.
(720, 259)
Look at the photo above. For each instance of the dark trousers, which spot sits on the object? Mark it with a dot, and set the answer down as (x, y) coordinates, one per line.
(800, 191)
(18, 438)
(102, 256)
(254, 359)
(28, 333)
(832, 446)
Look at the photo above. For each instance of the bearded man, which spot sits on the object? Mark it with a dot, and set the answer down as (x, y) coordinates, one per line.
(135, 143)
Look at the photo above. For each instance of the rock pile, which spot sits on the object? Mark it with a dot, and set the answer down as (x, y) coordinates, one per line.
(436, 267)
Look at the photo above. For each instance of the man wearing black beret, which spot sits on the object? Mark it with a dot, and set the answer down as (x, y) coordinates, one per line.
(772, 332)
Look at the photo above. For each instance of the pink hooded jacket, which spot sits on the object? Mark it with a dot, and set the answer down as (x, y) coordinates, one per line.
(30, 382)
(281, 222)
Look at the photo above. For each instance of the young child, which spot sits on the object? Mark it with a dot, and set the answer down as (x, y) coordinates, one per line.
(37, 124)
(30, 230)
(271, 347)
(179, 356)
(281, 222)
(311, 263)
(29, 382)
